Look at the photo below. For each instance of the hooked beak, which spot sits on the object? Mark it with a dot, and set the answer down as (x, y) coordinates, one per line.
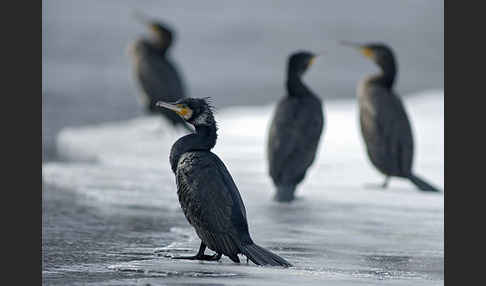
(170, 106)
(315, 56)
(185, 112)
(351, 44)
(367, 52)
(144, 19)
(313, 59)
(141, 17)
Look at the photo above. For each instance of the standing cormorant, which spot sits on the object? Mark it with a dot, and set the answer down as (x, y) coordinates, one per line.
(295, 130)
(384, 122)
(207, 193)
(156, 74)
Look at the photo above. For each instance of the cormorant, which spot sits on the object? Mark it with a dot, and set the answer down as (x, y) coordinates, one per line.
(207, 193)
(384, 122)
(156, 74)
(295, 130)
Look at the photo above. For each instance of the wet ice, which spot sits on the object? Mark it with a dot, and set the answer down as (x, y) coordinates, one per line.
(338, 230)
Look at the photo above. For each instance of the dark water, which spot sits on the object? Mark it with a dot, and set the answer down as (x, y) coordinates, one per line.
(234, 52)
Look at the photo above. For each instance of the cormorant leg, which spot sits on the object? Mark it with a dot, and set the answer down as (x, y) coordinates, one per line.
(215, 257)
(200, 255)
(385, 183)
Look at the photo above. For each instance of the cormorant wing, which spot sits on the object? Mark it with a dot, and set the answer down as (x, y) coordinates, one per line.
(294, 137)
(394, 127)
(211, 200)
(159, 78)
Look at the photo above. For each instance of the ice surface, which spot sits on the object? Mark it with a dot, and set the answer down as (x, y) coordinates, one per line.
(339, 230)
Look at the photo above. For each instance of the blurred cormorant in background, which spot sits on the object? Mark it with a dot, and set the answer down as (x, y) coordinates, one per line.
(384, 122)
(207, 193)
(295, 130)
(156, 74)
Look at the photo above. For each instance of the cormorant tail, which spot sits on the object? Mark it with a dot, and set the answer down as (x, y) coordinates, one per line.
(422, 185)
(285, 193)
(261, 256)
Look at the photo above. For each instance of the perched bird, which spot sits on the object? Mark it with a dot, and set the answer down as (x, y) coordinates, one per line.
(156, 74)
(384, 122)
(207, 193)
(295, 130)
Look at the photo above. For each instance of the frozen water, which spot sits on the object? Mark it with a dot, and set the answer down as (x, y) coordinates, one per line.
(338, 231)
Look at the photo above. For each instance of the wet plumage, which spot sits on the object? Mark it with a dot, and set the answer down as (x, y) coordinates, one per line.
(157, 76)
(384, 122)
(295, 130)
(207, 193)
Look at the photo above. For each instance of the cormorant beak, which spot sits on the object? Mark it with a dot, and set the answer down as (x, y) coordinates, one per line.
(365, 50)
(144, 20)
(185, 112)
(141, 17)
(351, 44)
(312, 60)
(314, 57)
(173, 107)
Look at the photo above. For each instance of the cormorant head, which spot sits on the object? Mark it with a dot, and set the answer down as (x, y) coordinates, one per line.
(299, 62)
(196, 111)
(380, 53)
(162, 32)
(383, 56)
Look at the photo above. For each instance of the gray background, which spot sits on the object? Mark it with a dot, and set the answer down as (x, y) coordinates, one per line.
(233, 51)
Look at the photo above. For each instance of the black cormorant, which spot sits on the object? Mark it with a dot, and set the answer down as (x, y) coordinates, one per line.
(156, 74)
(384, 122)
(207, 193)
(295, 130)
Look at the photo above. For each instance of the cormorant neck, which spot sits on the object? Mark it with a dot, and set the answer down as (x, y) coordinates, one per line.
(160, 45)
(388, 74)
(295, 86)
(208, 134)
(204, 139)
